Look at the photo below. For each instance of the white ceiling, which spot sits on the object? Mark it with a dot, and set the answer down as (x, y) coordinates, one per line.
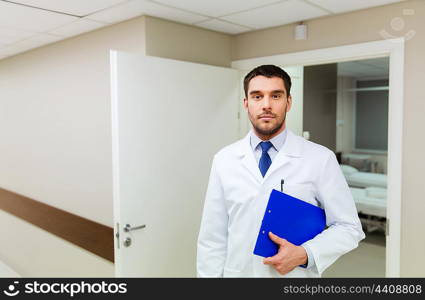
(367, 68)
(27, 24)
(283, 12)
(78, 8)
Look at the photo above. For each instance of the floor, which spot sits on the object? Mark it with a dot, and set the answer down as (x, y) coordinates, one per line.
(6, 271)
(367, 260)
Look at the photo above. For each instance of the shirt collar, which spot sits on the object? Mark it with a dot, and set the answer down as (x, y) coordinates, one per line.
(277, 141)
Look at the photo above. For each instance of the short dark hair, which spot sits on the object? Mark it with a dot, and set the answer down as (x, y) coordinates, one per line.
(268, 71)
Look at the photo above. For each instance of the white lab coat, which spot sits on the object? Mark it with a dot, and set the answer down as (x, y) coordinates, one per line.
(237, 196)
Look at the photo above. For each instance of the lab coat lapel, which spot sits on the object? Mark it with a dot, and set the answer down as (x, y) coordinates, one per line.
(291, 149)
(280, 161)
(248, 159)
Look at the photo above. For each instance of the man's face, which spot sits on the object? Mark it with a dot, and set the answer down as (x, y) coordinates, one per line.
(267, 103)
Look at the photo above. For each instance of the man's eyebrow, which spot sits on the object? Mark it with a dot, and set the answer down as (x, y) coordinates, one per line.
(254, 92)
(274, 91)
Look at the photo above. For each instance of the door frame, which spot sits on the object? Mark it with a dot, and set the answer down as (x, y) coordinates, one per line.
(394, 49)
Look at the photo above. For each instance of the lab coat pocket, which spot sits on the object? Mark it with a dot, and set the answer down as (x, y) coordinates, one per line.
(302, 191)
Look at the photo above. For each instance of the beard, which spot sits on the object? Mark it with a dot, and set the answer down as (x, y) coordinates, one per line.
(270, 131)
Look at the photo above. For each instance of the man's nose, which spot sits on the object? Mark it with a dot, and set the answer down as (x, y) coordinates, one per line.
(266, 103)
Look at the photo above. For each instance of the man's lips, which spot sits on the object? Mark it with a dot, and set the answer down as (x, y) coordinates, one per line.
(266, 117)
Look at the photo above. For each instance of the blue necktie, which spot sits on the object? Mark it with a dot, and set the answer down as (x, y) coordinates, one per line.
(265, 160)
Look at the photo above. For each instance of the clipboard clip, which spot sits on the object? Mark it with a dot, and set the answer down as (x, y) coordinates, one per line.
(282, 181)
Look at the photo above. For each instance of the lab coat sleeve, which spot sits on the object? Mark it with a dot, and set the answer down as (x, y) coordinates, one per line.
(212, 240)
(344, 228)
(310, 257)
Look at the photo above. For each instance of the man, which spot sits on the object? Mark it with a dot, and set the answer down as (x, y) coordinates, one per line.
(242, 177)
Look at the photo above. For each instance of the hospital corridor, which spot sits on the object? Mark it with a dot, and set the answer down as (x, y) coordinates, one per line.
(149, 138)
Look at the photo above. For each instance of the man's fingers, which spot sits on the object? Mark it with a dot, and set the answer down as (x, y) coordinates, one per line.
(276, 239)
(272, 260)
(276, 259)
(268, 261)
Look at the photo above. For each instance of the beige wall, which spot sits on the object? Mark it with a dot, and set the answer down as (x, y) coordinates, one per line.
(55, 121)
(178, 41)
(358, 27)
(34, 252)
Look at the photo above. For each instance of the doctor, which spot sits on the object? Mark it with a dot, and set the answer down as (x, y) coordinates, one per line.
(242, 177)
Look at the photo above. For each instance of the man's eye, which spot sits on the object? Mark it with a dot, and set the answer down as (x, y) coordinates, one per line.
(276, 96)
(257, 97)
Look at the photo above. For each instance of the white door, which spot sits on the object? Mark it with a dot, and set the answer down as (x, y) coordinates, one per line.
(168, 119)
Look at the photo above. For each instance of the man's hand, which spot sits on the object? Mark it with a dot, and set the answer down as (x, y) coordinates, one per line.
(288, 257)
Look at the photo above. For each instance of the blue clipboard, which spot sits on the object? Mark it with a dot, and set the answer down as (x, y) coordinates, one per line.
(290, 218)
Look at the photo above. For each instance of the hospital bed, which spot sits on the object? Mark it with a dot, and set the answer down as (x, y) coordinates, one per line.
(369, 192)
(371, 201)
(355, 178)
(371, 204)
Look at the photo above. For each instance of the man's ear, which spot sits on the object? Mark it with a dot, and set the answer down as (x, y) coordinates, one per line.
(245, 103)
(289, 103)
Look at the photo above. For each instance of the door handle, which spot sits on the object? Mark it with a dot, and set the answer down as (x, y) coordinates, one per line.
(128, 227)
(127, 242)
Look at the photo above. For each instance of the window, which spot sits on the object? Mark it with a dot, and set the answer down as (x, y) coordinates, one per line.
(371, 115)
